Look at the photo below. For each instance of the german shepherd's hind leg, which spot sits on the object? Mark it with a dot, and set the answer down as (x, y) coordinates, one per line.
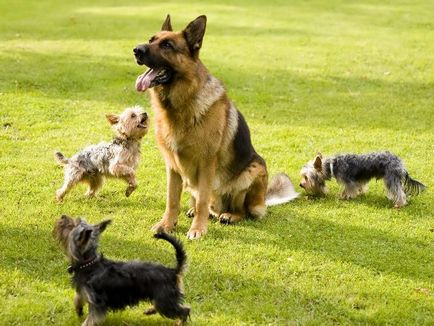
(216, 206)
(192, 210)
(237, 210)
(170, 216)
(255, 197)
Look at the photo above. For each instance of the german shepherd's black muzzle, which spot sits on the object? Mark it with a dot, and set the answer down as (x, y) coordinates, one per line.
(159, 71)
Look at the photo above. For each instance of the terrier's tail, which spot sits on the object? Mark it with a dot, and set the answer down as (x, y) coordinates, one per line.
(280, 190)
(413, 187)
(181, 256)
(60, 158)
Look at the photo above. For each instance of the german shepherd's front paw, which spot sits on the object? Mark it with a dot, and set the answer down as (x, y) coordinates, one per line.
(163, 226)
(195, 233)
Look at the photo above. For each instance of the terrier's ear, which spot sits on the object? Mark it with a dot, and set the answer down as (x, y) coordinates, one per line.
(194, 33)
(167, 25)
(84, 236)
(103, 225)
(319, 154)
(65, 219)
(318, 163)
(112, 118)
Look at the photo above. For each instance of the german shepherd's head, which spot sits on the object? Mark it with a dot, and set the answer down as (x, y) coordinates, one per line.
(169, 54)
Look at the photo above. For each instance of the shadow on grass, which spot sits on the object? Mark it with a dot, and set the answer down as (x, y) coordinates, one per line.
(376, 250)
(112, 80)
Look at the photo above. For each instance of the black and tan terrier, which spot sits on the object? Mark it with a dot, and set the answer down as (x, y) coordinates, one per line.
(110, 285)
(354, 172)
(118, 158)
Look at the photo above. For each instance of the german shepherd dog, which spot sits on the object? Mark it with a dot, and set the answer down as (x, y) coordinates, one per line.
(204, 139)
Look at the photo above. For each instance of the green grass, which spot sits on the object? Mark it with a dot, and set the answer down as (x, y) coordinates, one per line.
(330, 76)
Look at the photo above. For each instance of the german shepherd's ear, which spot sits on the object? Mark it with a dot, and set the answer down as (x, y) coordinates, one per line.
(194, 33)
(167, 25)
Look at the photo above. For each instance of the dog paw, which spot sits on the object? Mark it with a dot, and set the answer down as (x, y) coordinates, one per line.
(150, 311)
(190, 213)
(59, 196)
(225, 218)
(195, 233)
(162, 226)
(130, 190)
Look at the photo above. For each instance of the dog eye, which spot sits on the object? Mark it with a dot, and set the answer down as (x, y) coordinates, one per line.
(166, 45)
(133, 115)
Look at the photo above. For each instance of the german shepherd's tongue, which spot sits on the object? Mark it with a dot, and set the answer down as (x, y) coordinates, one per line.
(144, 81)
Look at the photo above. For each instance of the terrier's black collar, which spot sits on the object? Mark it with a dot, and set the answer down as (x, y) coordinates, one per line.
(88, 262)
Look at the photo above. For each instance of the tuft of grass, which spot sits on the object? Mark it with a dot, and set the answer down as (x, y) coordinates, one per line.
(335, 76)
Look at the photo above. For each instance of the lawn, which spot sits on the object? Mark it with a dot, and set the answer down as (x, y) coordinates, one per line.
(330, 76)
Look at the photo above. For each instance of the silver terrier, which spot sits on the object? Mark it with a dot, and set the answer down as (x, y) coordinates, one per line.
(354, 172)
(118, 158)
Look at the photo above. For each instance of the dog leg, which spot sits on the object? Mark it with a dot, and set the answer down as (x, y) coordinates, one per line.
(351, 191)
(94, 318)
(255, 197)
(192, 211)
(72, 177)
(78, 304)
(199, 226)
(95, 183)
(239, 211)
(128, 174)
(363, 188)
(216, 206)
(174, 189)
(395, 193)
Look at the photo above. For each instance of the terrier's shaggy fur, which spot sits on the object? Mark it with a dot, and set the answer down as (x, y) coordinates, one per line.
(109, 285)
(354, 172)
(118, 158)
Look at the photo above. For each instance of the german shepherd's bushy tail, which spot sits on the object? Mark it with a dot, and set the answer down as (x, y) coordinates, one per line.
(412, 187)
(60, 158)
(181, 256)
(280, 190)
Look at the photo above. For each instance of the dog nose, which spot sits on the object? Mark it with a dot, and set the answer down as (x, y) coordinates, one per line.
(145, 115)
(140, 49)
(301, 185)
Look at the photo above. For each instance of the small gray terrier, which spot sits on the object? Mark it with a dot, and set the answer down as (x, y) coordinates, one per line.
(107, 285)
(354, 172)
(118, 158)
